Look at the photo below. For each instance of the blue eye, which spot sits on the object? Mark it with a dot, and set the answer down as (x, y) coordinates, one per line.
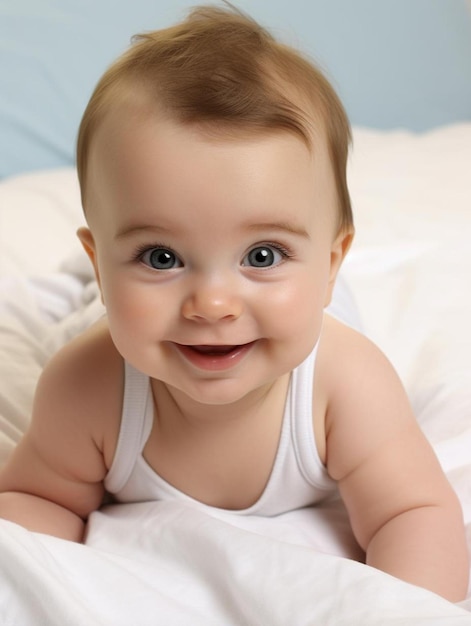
(160, 259)
(263, 256)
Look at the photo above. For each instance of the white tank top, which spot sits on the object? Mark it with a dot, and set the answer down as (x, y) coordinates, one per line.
(298, 476)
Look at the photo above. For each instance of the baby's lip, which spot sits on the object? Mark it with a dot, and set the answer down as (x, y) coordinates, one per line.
(214, 347)
(214, 356)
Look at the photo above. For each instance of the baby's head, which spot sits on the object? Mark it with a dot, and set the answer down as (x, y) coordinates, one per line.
(212, 166)
(220, 72)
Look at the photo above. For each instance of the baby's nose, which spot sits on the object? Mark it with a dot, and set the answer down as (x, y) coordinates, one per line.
(210, 302)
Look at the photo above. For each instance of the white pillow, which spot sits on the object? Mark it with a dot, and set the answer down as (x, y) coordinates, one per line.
(39, 215)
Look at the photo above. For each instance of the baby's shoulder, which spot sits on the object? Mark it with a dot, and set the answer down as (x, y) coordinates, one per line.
(88, 361)
(355, 376)
(340, 350)
(343, 349)
(346, 359)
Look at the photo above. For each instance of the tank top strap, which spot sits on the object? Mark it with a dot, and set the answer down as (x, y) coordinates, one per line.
(136, 424)
(301, 396)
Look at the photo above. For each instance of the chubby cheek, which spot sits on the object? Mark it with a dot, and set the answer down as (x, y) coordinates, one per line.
(295, 312)
(133, 308)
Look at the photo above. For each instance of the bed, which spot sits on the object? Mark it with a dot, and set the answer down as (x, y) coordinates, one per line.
(177, 563)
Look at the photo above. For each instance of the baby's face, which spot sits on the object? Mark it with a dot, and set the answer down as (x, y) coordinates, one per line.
(215, 255)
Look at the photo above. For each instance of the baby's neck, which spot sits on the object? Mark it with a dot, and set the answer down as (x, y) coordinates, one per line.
(171, 403)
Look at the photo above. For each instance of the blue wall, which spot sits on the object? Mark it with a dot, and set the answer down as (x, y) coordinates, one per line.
(395, 63)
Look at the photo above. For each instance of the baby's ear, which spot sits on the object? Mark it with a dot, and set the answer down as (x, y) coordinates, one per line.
(88, 243)
(338, 251)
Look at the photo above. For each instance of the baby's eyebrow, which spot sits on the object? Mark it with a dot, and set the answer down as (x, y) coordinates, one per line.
(136, 229)
(284, 227)
(287, 227)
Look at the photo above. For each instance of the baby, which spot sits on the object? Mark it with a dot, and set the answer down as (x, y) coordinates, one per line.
(212, 164)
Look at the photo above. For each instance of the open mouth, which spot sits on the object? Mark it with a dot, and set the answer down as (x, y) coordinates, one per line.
(214, 357)
(214, 350)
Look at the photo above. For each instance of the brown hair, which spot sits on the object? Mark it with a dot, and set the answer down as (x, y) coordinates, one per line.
(220, 69)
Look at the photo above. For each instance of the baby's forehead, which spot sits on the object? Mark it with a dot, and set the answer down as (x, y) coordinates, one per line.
(134, 120)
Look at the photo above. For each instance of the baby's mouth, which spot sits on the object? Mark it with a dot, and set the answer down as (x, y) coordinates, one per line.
(214, 350)
(215, 357)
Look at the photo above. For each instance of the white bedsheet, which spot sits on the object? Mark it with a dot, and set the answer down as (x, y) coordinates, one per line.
(171, 563)
(165, 563)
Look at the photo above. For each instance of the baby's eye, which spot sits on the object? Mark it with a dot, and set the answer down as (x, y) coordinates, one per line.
(263, 256)
(160, 259)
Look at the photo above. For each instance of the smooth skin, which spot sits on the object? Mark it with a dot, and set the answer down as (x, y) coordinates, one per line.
(216, 256)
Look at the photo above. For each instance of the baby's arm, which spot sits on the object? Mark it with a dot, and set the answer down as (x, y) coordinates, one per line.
(54, 478)
(402, 509)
